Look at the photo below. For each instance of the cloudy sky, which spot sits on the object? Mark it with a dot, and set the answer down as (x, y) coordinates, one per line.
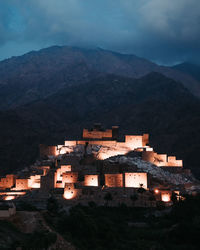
(165, 31)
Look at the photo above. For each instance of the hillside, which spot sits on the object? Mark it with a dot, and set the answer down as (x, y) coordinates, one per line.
(153, 104)
(189, 68)
(39, 74)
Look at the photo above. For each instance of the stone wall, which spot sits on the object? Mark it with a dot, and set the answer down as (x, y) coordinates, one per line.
(8, 181)
(136, 141)
(97, 134)
(21, 184)
(136, 180)
(114, 180)
(91, 180)
(161, 160)
(70, 177)
(71, 192)
(46, 151)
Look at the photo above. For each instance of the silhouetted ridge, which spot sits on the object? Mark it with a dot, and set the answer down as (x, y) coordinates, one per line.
(38, 74)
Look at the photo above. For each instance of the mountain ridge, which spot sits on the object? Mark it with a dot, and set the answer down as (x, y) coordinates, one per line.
(37, 75)
(153, 104)
(189, 68)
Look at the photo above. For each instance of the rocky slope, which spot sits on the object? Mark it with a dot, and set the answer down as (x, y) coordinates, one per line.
(37, 75)
(153, 104)
(189, 68)
(154, 171)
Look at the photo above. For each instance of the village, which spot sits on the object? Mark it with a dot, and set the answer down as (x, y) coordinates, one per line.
(100, 169)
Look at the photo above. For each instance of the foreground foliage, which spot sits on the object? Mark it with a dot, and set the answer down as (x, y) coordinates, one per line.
(131, 228)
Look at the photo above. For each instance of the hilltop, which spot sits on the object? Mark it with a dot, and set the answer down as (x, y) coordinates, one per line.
(38, 74)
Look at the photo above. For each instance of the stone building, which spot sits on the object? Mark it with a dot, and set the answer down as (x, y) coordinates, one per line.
(71, 171)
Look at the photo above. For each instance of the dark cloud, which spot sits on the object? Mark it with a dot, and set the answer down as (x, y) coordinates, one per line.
(165, 31)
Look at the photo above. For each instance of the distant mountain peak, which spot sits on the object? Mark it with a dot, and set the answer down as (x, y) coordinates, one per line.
(39, 74)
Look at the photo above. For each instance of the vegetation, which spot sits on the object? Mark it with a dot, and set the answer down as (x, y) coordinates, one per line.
(11, 238)
(108, 197)
(117, 228)
(132, 228)
(39, 240)
(153, 104)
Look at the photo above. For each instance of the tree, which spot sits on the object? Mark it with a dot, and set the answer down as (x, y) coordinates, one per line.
(108, 197)
(141, 189)
(134, 197)
(174, 197)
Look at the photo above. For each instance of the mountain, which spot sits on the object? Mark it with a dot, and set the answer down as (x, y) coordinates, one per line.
(152, 104)
(37, 75)
(189, 68)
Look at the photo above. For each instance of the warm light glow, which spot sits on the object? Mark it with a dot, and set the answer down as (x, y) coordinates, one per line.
(35, 185)
(21, 184)
(107, 152)
(134, 141)
(12, 193)
(68, 195)
(114, 180)
(59, 180)
(91, 180)
(70, 177)
(136, 180)
(34, 181)
(10, 197)
(63, 151)
(70, 192)
(166, 197)
(156, 191)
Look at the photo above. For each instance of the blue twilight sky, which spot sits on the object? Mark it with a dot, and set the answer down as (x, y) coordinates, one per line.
(165, 31)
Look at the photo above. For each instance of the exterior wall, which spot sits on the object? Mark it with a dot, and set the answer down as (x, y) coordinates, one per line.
(47, 181)
(114, 180)
(172, 161)
(96, 134)
(70, 177)
(145, 139)
(161, 160)
(166, 196)
(8, 181)
(58, 175)
(91, 180)
(21, 184)
(70, 143)
(134, 141)
(59, 184)
(70, 192)
(64, 175)
(148, 156)
(135, 179)
(65, 168)
(47, 150)
(34, 181)
(60, 171)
